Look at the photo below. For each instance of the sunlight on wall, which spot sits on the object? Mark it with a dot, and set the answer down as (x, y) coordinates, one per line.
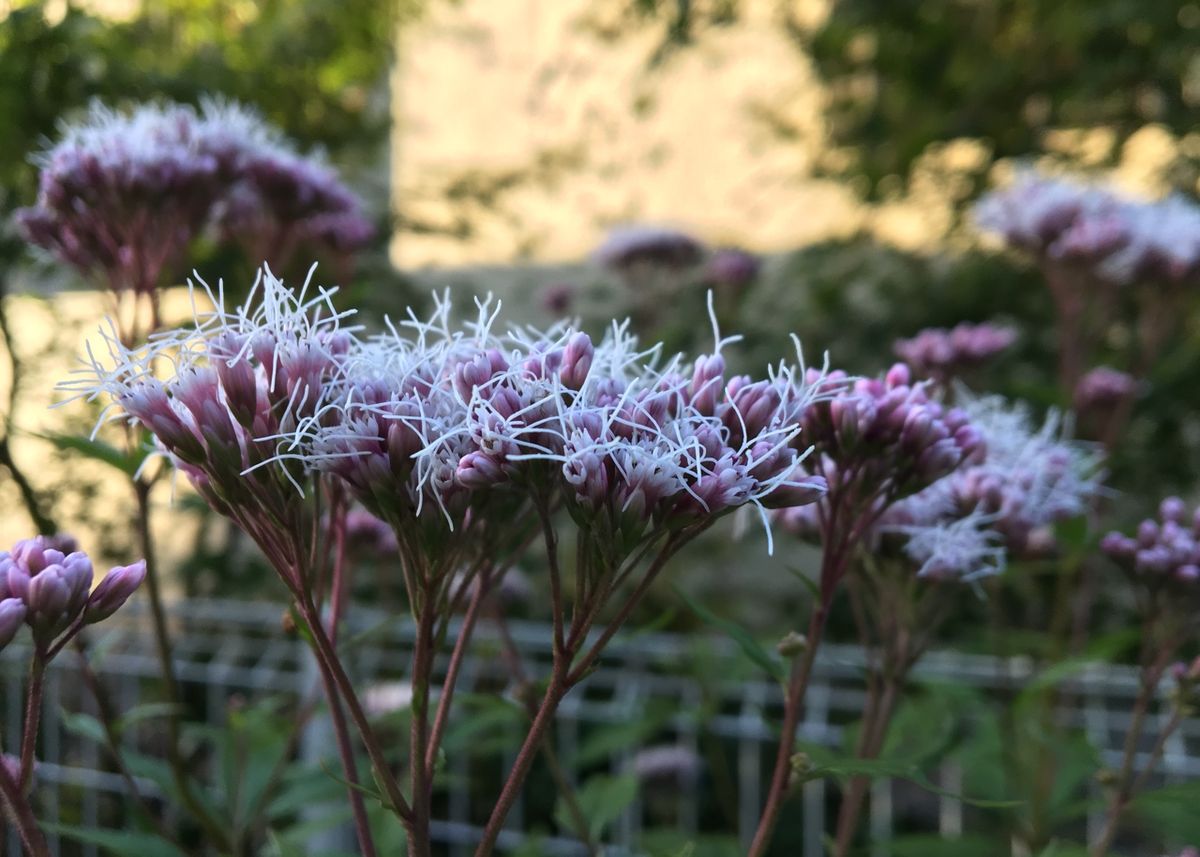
(521, 133)
(50, 333)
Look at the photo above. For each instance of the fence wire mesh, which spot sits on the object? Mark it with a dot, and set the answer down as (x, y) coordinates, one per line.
(698, 696)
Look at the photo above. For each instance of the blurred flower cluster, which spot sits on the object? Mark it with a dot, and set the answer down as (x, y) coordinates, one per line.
(1120, 240)
(123, 195)
(943, 354)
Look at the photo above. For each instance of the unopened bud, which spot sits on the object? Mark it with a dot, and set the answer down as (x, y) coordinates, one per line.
(792, 644)
(12, 614)
(577, 361)
(114, 590)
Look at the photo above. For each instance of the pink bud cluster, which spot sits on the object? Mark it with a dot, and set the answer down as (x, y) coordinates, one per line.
(242, 380)
(1121, 240)
(457, 428)
(630, 247)
(886, 437)
(1103, 388)
(452, 434)
(1000, 503)
(941, 353)
(732, 268)
(125, 195)
(51, 592)
(1165, 551)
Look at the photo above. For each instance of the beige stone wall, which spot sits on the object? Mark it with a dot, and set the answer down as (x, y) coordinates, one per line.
(523, 134)
(91, 500)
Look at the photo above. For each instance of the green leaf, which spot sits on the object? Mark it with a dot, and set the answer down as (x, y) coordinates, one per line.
(492, 724)
(601, 799)
(1100, 651)
(750, 647)
(302, 788)
(826, 765)
(1171, 811)
(84, 725)
(121, 843)
(604, 741)
(98, 450)
(374, 794)
(670, 842)
(146, 711)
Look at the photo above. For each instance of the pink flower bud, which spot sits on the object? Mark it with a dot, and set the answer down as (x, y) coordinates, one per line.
(577, 361)
(12, 614)
(898, 376)
(113, 591)
(477, 470)
(707, 381)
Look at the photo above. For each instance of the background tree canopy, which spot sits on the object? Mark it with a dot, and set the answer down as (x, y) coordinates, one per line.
(906, 74)
(315, 68)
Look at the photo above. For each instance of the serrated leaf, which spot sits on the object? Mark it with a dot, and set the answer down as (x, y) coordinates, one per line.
(750, 647)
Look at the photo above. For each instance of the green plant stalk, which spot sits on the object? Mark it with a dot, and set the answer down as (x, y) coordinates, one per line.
(162, 641)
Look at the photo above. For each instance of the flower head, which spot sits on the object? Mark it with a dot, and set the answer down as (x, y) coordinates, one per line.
(51, 591)
(123, 194)
(1056, 219)
(1165, 551)
(1103, 388)
(633, 246)
(942, 353)
(1030, 478)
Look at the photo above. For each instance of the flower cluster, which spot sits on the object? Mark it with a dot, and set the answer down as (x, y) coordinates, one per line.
(451, 434)
(1120, 239)
(51, 592)
(1055, 219)
(940, 353)
(732, 268)
(1001, 503)
(242, 379)
(887, 436)
(460, 421)
(1165, 550)
(1103, 388)
(278, 199)
(125, 194)
(627, 248)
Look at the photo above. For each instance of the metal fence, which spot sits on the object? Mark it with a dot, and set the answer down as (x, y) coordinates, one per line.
(228, 649)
